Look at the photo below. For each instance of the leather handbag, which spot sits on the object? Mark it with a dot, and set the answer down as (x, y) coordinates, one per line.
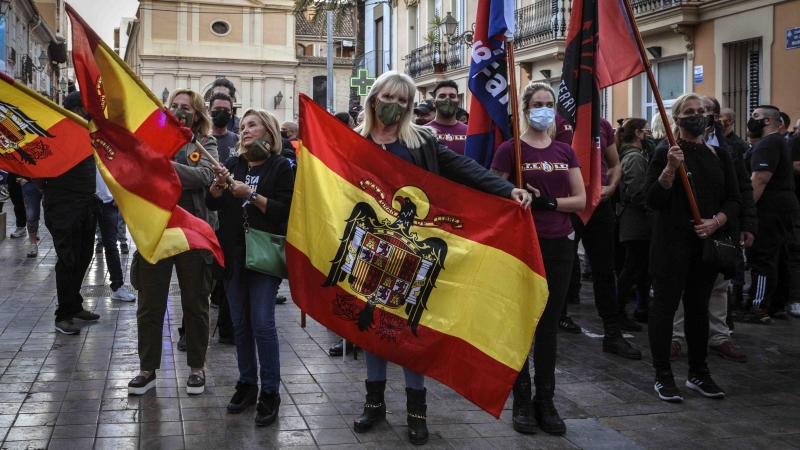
(721, 253)
(264, 252)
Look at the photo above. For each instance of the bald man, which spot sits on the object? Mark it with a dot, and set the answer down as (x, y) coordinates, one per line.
(727, 118)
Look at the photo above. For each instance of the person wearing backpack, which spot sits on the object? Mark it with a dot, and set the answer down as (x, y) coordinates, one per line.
(635, 143)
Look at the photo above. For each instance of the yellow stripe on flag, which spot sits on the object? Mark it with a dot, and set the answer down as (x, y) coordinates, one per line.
(130, 107)
(474, 292)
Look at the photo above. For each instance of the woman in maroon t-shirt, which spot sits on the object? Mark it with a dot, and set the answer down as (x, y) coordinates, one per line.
(551, 171)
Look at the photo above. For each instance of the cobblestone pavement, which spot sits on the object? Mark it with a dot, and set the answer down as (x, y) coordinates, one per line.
(60, 391)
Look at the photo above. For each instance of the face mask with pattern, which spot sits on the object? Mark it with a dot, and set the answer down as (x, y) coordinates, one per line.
(389, 113)
(259, 149)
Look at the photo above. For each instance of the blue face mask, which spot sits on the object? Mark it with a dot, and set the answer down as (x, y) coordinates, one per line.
(541, 118)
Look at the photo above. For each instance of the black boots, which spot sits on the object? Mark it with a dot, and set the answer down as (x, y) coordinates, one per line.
(267, 408)
(417, 418)
(522, 409)
(374, 408)
(613, 342)
(543, 408)
(246, 395)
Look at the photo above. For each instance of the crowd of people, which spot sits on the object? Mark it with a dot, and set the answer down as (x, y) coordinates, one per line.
(641, 244)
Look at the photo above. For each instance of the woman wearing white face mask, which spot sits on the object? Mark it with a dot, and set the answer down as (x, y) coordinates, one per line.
(552, 172)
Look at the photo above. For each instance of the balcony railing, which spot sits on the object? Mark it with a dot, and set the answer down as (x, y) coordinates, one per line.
(647, 6)
(544, 20)
(436, 57)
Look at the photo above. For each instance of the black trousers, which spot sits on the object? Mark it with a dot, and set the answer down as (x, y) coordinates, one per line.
(72, 228)
(769, 258)
(557, 258)
(224, 321)
(692, 281)
(634, 271)
(598, 241)
(15, 193)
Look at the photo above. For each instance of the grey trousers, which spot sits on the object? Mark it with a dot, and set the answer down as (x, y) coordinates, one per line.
(718, 331)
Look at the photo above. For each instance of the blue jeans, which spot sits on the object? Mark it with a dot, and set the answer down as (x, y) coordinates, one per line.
(122, 231)
(33, 202)
(376, 371)
(251, 297)
(107, 224)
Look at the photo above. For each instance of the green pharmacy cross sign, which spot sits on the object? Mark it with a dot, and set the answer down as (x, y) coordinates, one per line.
(362, 81)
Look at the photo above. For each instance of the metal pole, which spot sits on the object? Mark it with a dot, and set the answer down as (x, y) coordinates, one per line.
(512, 93)
(330, 62)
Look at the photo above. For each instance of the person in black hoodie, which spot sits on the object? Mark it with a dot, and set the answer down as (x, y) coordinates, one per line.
(261, 201)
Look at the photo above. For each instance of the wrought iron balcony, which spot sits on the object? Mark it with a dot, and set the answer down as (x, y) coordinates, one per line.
(648, 6)
(437, 57)
(542, 21)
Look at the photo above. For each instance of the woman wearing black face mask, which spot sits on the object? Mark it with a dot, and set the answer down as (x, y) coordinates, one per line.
(635, 144)
(387, 123)
(676, 254)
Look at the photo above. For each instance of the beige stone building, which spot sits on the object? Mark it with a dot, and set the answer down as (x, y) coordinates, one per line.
(312, 55)
(188, 44)
(739, 51)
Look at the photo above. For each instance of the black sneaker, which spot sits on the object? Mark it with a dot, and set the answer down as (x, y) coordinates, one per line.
(98, 248)
(757, 316)
(123, 248)
(245, 396)
(666, 388)
(779, 314)
(86, 316)
(620, 347)
(139, 384)
(702, 383)
(226, 340)
(641, 316)
(626, 324)
(67, 327)
(566, 324)
(281, 299)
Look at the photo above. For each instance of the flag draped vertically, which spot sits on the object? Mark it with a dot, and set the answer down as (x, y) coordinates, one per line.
(38, 139)
(488, 80)
(134, 137)
(422, 271)
(601, 51)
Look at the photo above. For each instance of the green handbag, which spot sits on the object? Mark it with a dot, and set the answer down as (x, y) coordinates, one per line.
(264, 252)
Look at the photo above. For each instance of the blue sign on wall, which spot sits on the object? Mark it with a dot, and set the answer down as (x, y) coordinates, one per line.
(792, 38)
(2, 42)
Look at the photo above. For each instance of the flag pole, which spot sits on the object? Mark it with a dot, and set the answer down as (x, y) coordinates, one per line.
(210, 158)
(512, 89)
(662, 111)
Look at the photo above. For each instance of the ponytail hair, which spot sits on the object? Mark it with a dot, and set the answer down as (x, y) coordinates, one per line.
(626, 133)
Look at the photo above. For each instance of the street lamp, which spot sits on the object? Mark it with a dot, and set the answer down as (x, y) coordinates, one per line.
(42, 60)
(450, 25)
(278, 98)
(62, 84)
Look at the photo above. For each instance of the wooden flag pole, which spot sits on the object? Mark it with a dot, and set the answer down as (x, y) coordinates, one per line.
(512, 94)
(210, 158)
(657, 95)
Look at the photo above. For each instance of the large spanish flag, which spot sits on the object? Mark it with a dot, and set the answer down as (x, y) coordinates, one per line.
(134, 137)
(38, 139)
(422, 271)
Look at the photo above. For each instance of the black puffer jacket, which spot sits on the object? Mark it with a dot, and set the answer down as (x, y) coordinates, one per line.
(435, 157)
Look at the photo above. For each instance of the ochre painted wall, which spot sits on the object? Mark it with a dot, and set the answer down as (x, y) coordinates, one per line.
(619, 93)
(274, 28)
(785, 63)
(208, 16)
(165, 23)
(704, 56)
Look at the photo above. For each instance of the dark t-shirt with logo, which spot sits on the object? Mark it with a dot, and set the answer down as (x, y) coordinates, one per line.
(546, 169)
(772, 153)
(453, 136)
(227, 146)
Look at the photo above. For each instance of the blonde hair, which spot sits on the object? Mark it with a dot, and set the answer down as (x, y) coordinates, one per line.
(203, 124)
(525, 99)
(677, 109)
(657, 126)
(412, 135)
(270, 124)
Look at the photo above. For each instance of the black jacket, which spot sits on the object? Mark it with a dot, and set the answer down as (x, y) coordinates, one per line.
(277, 185)
(748, 218)
(435, 157)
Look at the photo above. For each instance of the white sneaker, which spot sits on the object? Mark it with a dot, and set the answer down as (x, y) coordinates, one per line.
(122, 294)
(34, 251)
(795, 311)
(19, 232)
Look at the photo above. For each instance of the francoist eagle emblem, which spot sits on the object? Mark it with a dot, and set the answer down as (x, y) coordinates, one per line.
(15, 127)
(386, 263)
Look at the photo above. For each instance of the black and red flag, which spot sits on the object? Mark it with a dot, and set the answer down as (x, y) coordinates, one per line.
(601, 51)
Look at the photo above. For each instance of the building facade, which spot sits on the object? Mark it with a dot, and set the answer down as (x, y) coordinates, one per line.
(312, 58)
(189, 44)
(33, 46)
(736, 50)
